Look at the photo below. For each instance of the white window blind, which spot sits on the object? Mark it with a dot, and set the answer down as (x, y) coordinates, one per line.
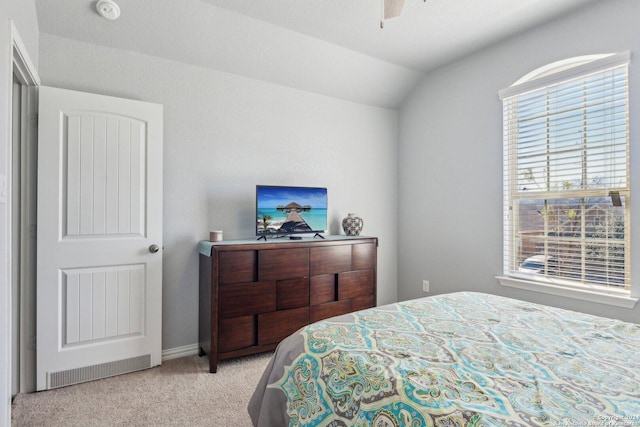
(566, 169)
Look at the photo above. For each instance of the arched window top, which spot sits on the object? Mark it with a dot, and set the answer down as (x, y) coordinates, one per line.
(559, 66)
(564, 70)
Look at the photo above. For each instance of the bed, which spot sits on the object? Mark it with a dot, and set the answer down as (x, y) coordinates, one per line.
(456, 359)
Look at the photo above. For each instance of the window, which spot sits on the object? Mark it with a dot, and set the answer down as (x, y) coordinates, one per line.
(566, 177)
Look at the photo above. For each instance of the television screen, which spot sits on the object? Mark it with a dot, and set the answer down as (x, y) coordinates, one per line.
(288, 210)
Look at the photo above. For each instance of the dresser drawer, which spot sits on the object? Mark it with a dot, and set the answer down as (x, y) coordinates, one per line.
(355, 284)
(362, 303)
(292, 293)
(236, 332)
(237, 267)
(363, 256)
(330, 309)
(323, 289)
(247, 298)
(276, 264)
(274, 327)
(330, 259)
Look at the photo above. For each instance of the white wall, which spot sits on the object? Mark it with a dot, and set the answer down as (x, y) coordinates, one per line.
(200, 33)
(450, 155)
(23, 15)
(223, 135)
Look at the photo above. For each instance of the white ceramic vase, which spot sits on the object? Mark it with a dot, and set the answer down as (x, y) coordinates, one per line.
(352, 225)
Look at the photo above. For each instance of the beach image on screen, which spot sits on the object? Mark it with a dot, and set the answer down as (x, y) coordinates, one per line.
(285, 210)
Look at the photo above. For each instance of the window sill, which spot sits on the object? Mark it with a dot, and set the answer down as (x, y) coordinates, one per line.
(602, 296)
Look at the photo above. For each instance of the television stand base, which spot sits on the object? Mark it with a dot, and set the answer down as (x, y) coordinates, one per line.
(263, 237)
(318, 235)
(295, 237)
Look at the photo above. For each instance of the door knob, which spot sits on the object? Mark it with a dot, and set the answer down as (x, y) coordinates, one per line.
(154, 248)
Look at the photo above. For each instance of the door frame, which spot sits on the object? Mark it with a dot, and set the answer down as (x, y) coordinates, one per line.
(21, 230)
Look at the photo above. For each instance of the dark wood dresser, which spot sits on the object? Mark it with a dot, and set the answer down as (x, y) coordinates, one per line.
(254, 293)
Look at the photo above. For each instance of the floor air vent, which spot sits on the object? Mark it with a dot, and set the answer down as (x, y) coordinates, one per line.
(95, 372)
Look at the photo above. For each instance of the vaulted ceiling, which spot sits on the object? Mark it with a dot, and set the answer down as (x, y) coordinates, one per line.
(331, 47)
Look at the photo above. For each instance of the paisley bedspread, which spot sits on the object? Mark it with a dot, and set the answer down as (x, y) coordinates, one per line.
(460, 359)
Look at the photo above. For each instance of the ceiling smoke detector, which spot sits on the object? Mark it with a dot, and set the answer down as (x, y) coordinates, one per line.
(108, 9)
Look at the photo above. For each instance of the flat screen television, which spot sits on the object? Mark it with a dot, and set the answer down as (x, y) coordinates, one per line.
(287, 211)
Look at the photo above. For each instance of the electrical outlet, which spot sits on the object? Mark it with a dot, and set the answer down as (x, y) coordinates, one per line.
(425, 286)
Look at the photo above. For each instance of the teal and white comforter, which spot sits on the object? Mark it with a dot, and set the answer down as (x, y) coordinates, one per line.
(460, 359)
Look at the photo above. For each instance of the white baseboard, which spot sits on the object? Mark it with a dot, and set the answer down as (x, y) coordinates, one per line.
(183, 351)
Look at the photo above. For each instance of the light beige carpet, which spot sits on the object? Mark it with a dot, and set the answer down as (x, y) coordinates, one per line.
(181, 392)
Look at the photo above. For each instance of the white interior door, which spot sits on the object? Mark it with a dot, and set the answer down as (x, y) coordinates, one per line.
(99, 275)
